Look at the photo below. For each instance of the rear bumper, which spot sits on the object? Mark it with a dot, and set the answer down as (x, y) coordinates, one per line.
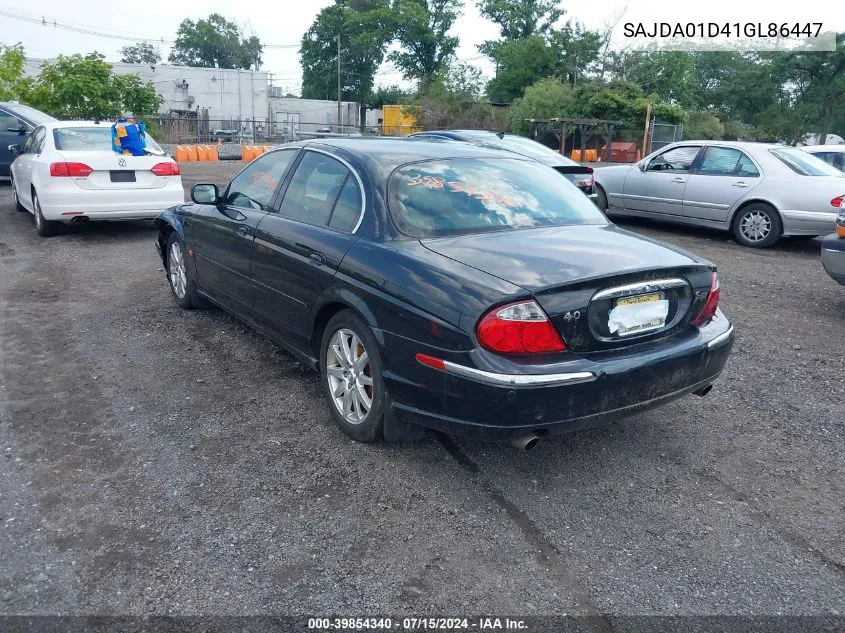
(833, 257)
(65, 203)
(571, 395)
(808, 222)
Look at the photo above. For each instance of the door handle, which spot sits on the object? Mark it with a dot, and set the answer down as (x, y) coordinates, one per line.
(679, 180)
(316, 259)
(740, 184)
(243, 231)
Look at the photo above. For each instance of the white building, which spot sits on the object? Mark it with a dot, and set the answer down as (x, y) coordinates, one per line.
(295, 116)
(229, 95)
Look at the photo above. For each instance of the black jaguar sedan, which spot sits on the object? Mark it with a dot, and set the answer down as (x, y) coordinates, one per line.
(449, 287)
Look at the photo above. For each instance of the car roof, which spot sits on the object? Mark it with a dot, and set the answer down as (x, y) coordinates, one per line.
(393, 152)
(61, 124)
(839, 147)
(28, 113)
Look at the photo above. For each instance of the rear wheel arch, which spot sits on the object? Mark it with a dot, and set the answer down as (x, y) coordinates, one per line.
(746, 203)
(332, 304)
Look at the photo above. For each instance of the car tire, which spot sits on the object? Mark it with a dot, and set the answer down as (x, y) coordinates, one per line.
(44, 228)
(18, 205)
(346, 339)
(178, 278)
(757, 225)
(601, 199)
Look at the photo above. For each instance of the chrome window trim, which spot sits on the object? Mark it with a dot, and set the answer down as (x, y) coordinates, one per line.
(518, 380)
(638, 288)
(354, 173)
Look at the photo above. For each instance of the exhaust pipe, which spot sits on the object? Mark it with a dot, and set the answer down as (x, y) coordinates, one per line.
(703, 391)
(79, 219)
(525, 442)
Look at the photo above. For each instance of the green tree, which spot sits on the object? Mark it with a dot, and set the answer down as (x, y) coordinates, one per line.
(518, 19)
(544, 99)
(389, 95)
(422, 33)
(141, 53)
(520, 63)
(77, 87)
(614, 100)
(703, 125)
(576, 50)
(454, 99)
(13, 82)
(215, 43)
(365, 28)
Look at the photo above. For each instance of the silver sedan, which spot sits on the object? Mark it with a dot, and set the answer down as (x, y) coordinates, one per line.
(758, 191)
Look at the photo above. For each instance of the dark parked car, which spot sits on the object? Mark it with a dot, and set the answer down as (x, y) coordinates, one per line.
(578, 175)
(449, 287)
(16, 121)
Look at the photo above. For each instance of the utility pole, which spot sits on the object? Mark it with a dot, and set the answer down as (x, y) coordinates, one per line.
(645, 132)
(339, 121)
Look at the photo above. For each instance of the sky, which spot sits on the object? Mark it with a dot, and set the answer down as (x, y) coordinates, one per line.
(283, 24)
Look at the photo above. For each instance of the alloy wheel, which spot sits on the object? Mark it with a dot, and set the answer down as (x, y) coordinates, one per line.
(350, 376)
(176, 270)
(755, 226)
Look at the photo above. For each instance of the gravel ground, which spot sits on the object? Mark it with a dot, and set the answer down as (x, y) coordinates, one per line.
(156, 461)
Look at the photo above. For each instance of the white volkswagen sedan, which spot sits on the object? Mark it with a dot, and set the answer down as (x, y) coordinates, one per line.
(760, 192)
(66, 171)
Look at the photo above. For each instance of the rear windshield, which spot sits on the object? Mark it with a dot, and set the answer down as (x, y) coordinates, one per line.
(803, 163)
(86, 139)
(523, 146)
(36, 117)
(448, 197)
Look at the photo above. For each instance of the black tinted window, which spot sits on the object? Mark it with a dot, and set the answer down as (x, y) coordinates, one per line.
(253, 188)
(444, 197)
(347, 209)
(8, 122)
(315, 186)
(674, 160)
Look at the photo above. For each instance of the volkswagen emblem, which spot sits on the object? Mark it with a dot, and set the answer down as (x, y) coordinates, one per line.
(121, 162)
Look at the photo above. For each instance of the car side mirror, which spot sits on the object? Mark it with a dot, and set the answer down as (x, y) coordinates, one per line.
(205, 194)
(14, 150)
(641, 165)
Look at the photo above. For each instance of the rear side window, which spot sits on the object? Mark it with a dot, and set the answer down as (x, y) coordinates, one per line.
(322, 192)
(726, 161)
(831, 158)
(347, 209)
(804, 163)
(88, 139)
(453, 196)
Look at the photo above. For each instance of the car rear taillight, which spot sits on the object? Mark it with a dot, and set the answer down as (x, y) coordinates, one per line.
(70, 170)
(166, 169)
(518, 328)
(708, 310)
(837, 201)
(587, 180)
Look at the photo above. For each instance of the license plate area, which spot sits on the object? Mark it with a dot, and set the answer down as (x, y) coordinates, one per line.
(638, 314)
(122, 176)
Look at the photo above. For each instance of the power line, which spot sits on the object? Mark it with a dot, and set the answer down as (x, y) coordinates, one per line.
(96, 32)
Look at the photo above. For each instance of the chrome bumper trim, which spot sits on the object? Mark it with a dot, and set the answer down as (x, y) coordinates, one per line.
(518, 380)
(724, 336)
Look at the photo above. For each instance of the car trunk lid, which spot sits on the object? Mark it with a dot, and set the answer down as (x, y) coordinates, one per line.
(578, 175)
(580, 274)
(113, 171)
